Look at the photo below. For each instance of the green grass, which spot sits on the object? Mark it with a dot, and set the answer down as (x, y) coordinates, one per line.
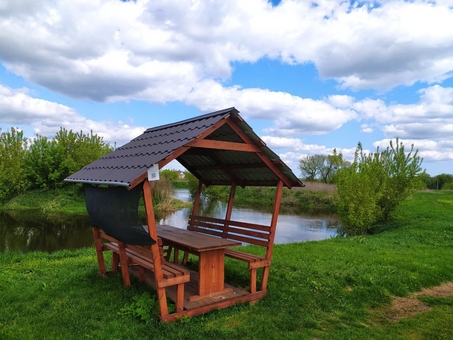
(332, 289)
(70, 200)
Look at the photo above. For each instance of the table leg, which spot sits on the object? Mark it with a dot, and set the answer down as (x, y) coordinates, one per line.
(211, 272)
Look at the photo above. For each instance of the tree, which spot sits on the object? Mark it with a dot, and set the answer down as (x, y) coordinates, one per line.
(375, 184)
(402, 172)
(323, 166)
(309, 166)
(13, 153)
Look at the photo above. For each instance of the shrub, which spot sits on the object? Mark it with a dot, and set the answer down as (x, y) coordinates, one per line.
(358, 194)
(170, 175)
(375, 185)
(47, 162)
(13, 153)
(447, 186)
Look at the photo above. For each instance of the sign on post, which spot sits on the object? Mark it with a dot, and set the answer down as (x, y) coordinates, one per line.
(153, 173)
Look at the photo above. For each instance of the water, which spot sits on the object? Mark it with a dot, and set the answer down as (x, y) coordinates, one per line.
(33, 231)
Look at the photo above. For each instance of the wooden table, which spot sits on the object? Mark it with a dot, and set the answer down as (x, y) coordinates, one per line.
(211, 251)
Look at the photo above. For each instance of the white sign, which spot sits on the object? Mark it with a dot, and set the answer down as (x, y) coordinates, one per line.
(153, 173)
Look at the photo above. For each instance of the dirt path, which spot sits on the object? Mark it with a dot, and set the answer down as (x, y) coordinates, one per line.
(402, 308)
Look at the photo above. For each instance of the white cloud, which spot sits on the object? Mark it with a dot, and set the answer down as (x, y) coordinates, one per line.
(163, 50)
(430, 150)
(18, 107)
(292, 115)
(300, 150)
(431, 117)
(365, 128)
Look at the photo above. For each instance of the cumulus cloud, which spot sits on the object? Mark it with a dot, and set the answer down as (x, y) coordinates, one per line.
(163, 50)
(431, 117)
(18, 107)
(300, 150)
(365, 128)
(430, 150)
(292, 115)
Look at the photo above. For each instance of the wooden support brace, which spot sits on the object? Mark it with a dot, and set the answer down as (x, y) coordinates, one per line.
(275, 211)
(176, 256)
(141, 273)
(253, 280)
(115, 261)
(158, 274)
(98, 245)
(180, 298)
(124, 264)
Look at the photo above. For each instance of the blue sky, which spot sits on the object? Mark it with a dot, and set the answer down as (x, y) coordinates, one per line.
(308, 78)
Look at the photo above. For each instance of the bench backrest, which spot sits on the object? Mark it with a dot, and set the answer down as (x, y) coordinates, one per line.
(233, 230)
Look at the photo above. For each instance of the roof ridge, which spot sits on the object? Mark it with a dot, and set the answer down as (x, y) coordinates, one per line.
(185, 121)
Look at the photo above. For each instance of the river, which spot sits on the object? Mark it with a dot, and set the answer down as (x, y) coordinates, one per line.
(26, 231)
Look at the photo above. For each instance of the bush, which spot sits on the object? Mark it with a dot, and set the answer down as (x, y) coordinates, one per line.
(447, 186)
(13, 156)
(170, 175)
(358, 194)
(375, 185)
(47, 162)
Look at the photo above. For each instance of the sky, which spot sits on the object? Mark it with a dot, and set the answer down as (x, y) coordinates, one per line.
(308, 76)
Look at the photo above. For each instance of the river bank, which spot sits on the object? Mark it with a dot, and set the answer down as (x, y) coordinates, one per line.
(71, 201)
(314, 196)
(340, 288)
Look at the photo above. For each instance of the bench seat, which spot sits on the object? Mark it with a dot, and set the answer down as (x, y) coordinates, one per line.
(253, 261)
(173, 274)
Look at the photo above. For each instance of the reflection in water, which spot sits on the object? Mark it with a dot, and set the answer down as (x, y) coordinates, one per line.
(30, 230)
(291, 226)
(26, 231)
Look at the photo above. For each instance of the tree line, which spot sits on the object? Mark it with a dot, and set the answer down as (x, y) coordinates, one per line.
(43, 163)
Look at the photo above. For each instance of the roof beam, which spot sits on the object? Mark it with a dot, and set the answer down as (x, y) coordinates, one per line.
(259, 153)
(227, 170)
(237, 166)
(221, 145)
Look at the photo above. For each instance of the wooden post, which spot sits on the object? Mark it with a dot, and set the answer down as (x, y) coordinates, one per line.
(229, 209)
(98, 245)
(115, 261)
(196, 203)
(124, 264)
(162, 298)
(275, 211)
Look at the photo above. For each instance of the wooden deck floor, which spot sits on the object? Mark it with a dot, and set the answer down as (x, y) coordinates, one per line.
(191, 289)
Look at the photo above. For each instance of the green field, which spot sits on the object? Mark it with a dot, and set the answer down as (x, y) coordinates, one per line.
(332, 289)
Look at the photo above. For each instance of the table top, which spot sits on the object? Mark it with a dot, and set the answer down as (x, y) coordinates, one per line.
(194, 240)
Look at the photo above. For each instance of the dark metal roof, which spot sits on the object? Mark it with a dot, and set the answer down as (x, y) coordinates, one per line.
(133, 159)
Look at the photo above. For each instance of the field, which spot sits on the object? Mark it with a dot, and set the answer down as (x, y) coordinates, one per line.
(341, 288)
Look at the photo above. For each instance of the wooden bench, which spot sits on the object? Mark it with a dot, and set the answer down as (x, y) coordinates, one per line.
(142, 256)
(260, 235)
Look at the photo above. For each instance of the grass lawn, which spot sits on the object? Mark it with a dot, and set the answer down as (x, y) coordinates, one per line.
(332, 289)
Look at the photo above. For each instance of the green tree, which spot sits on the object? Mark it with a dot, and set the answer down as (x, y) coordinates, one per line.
(309, 166)
(79, 149)
(375, 184)
(44, 161)
(358, 194)
(324, 167)
(13, 152)
(401, 172)
(170, 175)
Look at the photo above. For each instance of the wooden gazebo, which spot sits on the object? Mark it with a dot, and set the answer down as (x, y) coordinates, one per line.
(218, 148)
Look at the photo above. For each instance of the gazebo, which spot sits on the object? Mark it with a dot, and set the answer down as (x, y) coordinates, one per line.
(218, 148)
